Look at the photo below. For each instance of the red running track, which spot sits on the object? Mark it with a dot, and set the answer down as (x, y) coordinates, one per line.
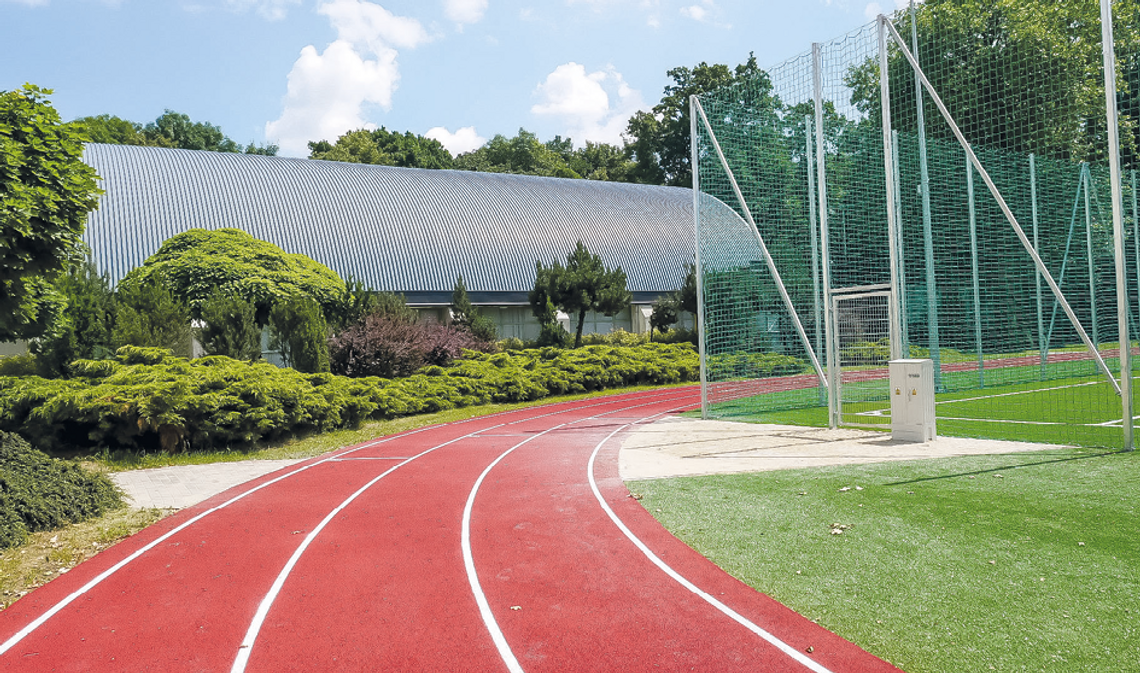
(505, 542)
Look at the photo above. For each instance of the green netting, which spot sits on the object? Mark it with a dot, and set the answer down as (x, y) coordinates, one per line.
(1024, 83)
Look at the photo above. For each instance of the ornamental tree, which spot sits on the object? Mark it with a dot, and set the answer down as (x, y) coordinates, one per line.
(196, 263)
(584, 284)
(46, 192)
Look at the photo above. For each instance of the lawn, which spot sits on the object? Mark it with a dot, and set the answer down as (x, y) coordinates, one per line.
(1021, 562)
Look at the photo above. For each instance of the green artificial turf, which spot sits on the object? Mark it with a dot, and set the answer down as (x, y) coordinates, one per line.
(1069, 410)
(1020, 562)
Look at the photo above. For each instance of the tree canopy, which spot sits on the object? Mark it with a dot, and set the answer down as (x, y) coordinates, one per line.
(584, 284)
(384, 147)
(46, 192)
(521, 154)
(171, 129)
(198, 262)
(659, 139)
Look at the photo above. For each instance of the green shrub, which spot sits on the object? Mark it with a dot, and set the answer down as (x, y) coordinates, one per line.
(618, 337)
(752, 366)
(84, 329)
(230, 327)
(41, 493)
(18, 365)
(147, 399)
(298, 330)
(148, 314)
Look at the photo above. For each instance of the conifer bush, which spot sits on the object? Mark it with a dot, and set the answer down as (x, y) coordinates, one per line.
(40, 493)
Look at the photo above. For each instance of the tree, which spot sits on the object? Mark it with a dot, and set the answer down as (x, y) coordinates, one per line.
(298, 330)
(667, 308)
(464, 314)
(171, 129)
(230, 327)
(384, 147)
(659, 140)
(595, 161)
(46, 192)
(83, 331)
(584, 284)
(148, 314)
(522, 154)
(198, 262)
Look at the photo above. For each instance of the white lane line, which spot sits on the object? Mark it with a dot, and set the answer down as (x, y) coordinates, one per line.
(469, 563)
(55, 609)
(485, 612)
(246, 647)
(735, 616)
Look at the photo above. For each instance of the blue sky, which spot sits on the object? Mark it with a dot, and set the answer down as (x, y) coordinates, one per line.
(291, 71)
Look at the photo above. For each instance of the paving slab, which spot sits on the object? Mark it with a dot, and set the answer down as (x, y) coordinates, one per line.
(676, 446)
(181, 486)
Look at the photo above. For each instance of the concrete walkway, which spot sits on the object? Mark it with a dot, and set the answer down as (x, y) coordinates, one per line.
(185, 485)
(670, 447)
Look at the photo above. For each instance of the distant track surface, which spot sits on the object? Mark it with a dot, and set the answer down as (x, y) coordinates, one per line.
(506, 542)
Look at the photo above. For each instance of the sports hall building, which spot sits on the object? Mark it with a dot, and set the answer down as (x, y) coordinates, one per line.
(403, 230)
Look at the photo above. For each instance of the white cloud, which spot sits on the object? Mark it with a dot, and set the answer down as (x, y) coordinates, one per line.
(463, 140)
(704, 12)
(583, 102)
(465, 11)
(368, 25)
(695, 12)
(274, 10)
(328, 91)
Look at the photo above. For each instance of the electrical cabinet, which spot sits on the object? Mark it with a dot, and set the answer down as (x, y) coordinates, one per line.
(912, 400)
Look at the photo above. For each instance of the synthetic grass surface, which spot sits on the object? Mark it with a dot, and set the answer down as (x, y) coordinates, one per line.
(1055, 411)
(1021, 562)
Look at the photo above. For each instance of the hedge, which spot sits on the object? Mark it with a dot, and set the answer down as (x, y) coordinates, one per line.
(147, 399)
(41, 493)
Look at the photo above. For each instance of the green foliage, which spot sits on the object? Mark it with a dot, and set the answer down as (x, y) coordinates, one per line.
(665, 313)
(584, 284)
(595, 161)
(84, 329)
(198, 262)
(171, 129)
(753, 366)
(660, 138)
(146, 399)
(298, 330)
(521, 154)
(385, 147)
(148, 314)
(230, 327)
(39, 493)
(618, 337)
(46, 192)
(465, 315)
(18, 365)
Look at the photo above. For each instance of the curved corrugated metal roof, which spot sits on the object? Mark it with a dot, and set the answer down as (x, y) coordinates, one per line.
(397, 229)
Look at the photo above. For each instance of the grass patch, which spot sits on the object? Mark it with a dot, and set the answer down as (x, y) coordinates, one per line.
(49, 554)
(318, 444)
(1026, 561)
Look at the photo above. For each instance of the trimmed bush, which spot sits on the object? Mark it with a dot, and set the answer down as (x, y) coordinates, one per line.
(230, 327)
(146, 399)
(298, 330)
(40, 493)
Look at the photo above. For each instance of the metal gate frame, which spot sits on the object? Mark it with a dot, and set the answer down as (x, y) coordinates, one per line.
(835, 373)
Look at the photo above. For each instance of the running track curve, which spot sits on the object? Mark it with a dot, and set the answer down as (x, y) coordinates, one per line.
(503, 543)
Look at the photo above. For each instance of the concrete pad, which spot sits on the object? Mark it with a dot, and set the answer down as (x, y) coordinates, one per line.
(674, 447)
(185, 485)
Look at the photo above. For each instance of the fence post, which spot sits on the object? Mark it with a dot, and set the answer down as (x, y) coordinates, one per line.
(833, 374)
(1086, 178)
(927, 226)
(814, 222)
(894, 327)
(1108, 46)
(974, 274)
(1037, 274)
(694, 163)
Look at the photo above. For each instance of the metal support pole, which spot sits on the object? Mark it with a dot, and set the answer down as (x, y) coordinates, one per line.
(833, 373)
(1108, 46)
(894, 326)
(694, 162)
(771, 263)
(900, 300)
(1005, 209)
(927, 225)
(1136, 235)
(974, 274)
(1037, 274)
(813, 220)
(1086, 178)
